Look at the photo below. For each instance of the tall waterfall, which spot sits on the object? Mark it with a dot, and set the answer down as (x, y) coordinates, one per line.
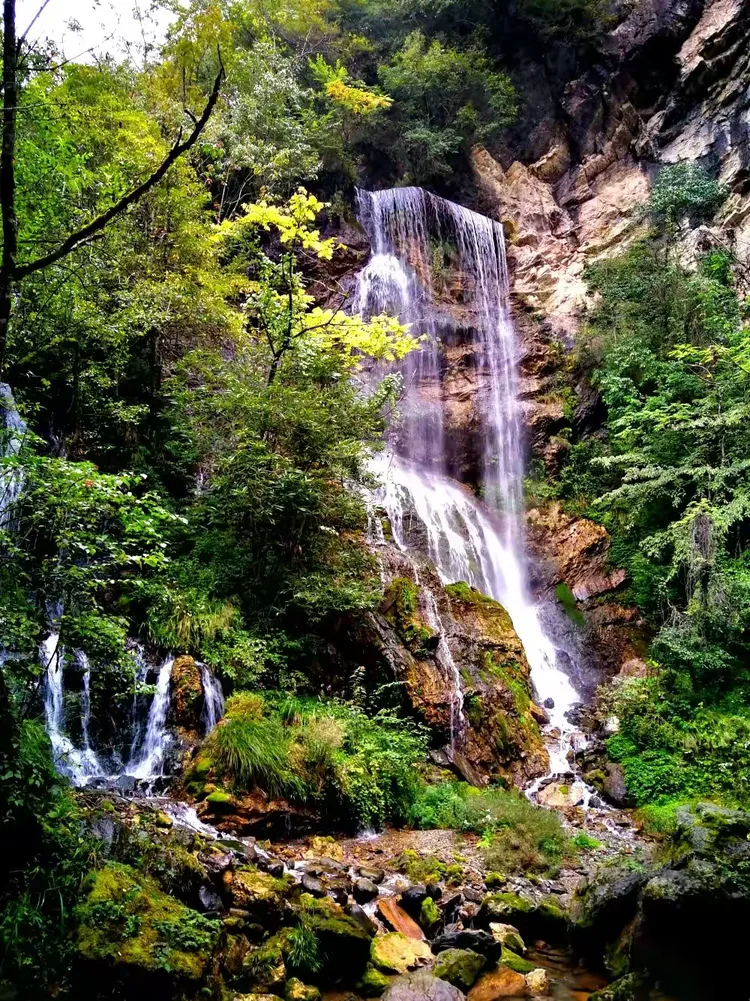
(480, 542)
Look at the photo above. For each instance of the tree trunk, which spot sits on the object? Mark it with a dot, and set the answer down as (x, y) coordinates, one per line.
(8, 173)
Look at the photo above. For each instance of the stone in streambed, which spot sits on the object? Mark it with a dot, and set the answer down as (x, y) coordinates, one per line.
(515, 962)
(509, 936)
(422, 986)
(374, 875)
(344, 942)
(459, 967)
(373, 983)
(429, 915)
(411, 900)
(500, 983)
(313, 886)
(469, 938)
(364, 890)
(538, 983)
(256, 892)
(296, 990)
(396, 953)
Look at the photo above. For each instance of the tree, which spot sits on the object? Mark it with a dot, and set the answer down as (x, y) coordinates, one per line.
(11, 271)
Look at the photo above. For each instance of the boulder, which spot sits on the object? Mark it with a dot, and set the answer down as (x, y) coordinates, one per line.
(500, 983)
(459, 967)
(397, 953)
(344, 942)
(475, 939)
(296, 990)
(187, 693)
(508, 935)
(256, 892)
(313, 886)
(364, 890)
(422, 986)
(411, 899)
(537, 919)
(129, 927)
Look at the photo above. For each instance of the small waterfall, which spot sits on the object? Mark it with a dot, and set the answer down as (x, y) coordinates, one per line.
(148, 762)
(213, 696)
(90, 758)
(480, 543)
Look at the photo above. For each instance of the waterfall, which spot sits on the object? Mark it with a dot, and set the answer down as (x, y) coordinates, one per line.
(213, 697)
(480, 542)
(148, 761)
(90, 758)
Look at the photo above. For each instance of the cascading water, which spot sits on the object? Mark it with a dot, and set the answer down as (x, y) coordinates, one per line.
(480, 543)
(148, 761)
(213, 698)
(15, 429)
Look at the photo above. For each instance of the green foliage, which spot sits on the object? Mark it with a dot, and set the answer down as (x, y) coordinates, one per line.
(445, 99)
(685, 190)
(356, 767)
(516, 835)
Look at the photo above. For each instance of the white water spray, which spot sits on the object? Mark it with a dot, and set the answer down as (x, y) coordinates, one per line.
(213, 697)
(148, 762)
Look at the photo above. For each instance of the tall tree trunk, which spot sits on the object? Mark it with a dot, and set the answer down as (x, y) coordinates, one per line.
(8, 724)
(8, 173)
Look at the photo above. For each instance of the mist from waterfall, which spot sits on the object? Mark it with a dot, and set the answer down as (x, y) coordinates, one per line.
(480, 542)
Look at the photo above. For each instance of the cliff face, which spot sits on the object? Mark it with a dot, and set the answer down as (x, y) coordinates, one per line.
(670, 83)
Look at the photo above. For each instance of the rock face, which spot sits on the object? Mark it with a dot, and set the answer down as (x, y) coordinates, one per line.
(669, 83)
(499, 737)
(674, 921)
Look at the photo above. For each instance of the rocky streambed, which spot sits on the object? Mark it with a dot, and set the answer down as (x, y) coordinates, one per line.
(183, 912)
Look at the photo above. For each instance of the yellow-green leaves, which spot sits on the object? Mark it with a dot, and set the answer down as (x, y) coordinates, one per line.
(357, 100)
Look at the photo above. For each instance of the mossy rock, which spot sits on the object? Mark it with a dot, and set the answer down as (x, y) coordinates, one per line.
(545, 919)
(459, 967)
(263, 968)
(630, 988)
(128, 924)
(429, 914)
(373, 983)
(515, 962)
(187, 693)
(401, 607)
(296, 990)
(220, 801)
(343, 943)
(261, 895)
(395, 953)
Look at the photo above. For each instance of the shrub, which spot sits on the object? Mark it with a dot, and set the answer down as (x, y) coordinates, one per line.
(516, 834)
(685, 189)
(255, 752)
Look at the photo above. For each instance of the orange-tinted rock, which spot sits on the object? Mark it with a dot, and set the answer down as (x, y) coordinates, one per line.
(398, 919)
(500, 983)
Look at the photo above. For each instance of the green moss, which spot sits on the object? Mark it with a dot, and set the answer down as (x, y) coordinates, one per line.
(126, 921)
(567, 599)
(459, 967)
(515, 962)
(468, 595)
(296, 990)
(402, 608)
(373, 983)
(419, 868)
(221, 802)
(495, 879)
(429, 915)
(343, 944)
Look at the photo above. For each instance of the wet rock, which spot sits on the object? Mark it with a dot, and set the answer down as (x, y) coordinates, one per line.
(394, 952)
(434, 890)
(364, 890)
(186, 702)
(549, 703)
(411, 899)
(542, 918)
(373, 983)
(374, 875)
(509, 936)
(209, 899)
(398, 919)
(422, 986)
(361, 916)
(500, 983)
(344, 942)
(296, 990)
(474, 939)
(473, 895)
(451, 906)
(339, 889)
(313, 886)
(538, 983)
(459, 967)
(614, 787)
(256, 892)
